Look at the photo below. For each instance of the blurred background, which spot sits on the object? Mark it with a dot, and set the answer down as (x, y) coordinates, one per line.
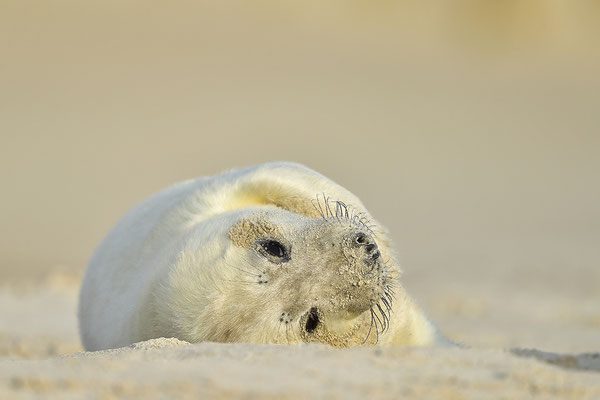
(470, 128)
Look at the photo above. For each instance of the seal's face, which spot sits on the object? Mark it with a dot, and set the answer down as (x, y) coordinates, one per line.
(317, 280)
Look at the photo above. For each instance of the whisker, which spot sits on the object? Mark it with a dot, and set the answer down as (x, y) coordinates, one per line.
(390, 290)
(252, 266)
(389, 298)
(319, 210)
(242, 282)
(323, 209)
(375, 318)
(338, 211)
(278, 332)
(386, 321)
(327, 206)
(387, 306)
(242, 270)
(370, 328)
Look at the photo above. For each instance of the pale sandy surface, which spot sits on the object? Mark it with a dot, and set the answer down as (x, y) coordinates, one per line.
(163, 368)
(470, 129)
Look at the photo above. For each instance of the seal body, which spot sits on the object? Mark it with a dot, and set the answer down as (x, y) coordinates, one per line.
(276, 253)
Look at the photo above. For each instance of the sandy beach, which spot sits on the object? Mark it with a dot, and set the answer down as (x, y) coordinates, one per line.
(469, 131)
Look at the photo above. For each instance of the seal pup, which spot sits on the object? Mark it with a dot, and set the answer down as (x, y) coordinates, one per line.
(275, 253)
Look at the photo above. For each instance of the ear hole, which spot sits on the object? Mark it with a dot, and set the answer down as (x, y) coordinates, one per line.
(312, 321)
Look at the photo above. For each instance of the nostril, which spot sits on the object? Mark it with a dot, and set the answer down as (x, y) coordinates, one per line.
(370, 247)
(361, 238)
(376, 255)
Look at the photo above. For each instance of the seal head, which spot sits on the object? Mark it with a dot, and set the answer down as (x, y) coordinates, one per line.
(287, 278)
(325, 278)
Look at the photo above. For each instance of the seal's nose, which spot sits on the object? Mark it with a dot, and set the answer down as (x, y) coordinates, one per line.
(366, 242)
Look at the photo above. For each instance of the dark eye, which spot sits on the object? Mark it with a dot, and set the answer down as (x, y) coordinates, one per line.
(274, 248)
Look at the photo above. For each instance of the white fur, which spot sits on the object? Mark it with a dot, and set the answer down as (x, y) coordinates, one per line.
(162, 270)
